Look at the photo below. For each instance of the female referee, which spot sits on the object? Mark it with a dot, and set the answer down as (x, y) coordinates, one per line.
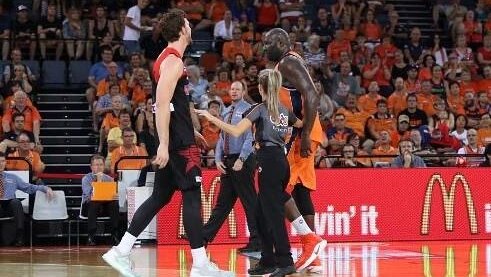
(272, 122)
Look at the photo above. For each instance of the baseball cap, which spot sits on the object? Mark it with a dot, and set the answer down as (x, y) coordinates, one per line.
(403, 118)
(413, 66)
(22, 8)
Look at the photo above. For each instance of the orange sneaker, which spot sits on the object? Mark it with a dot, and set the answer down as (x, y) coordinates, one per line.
(315, 266)
(312, 246)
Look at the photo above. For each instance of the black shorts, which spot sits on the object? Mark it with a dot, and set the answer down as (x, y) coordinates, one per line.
(183, 171)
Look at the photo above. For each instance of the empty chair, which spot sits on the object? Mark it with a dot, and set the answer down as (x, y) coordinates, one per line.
(79, 72)
(50, 210)
(34, 66)
(202, 42)
(54, 74)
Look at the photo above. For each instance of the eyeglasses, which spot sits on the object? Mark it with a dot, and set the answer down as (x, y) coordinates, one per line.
(128, 136)
(348, 151)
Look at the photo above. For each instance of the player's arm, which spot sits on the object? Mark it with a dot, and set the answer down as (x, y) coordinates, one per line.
(170, 72)
(235, 130)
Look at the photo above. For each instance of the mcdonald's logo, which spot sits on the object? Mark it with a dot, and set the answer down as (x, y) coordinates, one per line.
(207, 204)
(448, 203)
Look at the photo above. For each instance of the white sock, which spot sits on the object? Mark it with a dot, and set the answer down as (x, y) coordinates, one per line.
(301, 226)
(127, 242)
(199, 256)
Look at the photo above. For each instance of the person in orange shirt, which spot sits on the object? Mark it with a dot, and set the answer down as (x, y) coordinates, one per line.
(210, 131)
(236, 46)
(355, 118)
(337, 46)
(378, 72)
(386, 50)
(485, 83)
(382, 120)
(426, 100)
(425, 71)
(412, 84)
(111, 119)
(383, 148)
(128, 149)
(402, 132)
(221, 85)
(32, 118)
(370, 28)
(368, 102)
(467, 84)
(455, 101)
(484, 131)
(397, 100)
(25, 151)
(112, 78)
(136, 84)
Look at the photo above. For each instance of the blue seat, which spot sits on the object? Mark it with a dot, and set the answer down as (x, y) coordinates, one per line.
(54, 74)
(34, 66)
(78, 72)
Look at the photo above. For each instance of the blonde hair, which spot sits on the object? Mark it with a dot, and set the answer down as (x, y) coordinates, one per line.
(270, 81)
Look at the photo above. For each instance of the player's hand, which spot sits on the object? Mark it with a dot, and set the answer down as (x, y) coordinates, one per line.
(200, 140)
(305, 145)
(221, 167)
(162, 157)
(238, 165)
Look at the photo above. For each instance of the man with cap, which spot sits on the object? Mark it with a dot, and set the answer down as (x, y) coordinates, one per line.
(24, 31)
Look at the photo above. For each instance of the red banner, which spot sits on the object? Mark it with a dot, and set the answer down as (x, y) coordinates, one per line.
(369, 205)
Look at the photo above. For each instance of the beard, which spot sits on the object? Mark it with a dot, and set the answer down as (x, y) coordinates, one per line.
(274, 54)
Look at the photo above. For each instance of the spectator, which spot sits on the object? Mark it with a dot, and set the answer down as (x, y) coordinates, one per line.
(455, 101)
(472, 111)
(16, 59)
(454, 68)
(460, 131)
(99, 27)
(194, 10)
(211, 132)
(236, 46)
(483, 102)
(442, 116)
(19, 78)
(323, 26)
(349, 32)
(75, 34)
(302, 29)
(135, 61)
(406, 158)
(198, 87)
(395, 29)
(238, 68)
(24, 150)
(344, 56)
(216, 9)
(403, 130)
(251, 81)
(397, 100)
(355, 140)
(115, 135)
(31, 115)
(355, 118)
(133, 27)
(4, 32)
(119, 24)
(338, 134)
(426, 100)
(128, 149)
(439, 51)
(153, 44)
(221, 85)
(223, 29)
(426, 149)
(268, 14)
(386, 51)
(336, 47)
(348, 158)
(18, 128)
(314, 55)
(93, 209)
(417, 117)
(472, 148)
(105, 104)
(471, 29)
(49, 31)
(484, 52)
(11, 206)
(24, 31)
(464, 53)
(484, 131)
(485, 83)
(382, 120)
(145, 128)
(368, 102)
(371, 30)
(343, 83)
(426, 67)
(412, 83)
(291, 9)
(383, 148)
(135, 85)
(379, 73)
(112, 78)
(487, 157)
(451, 9)
(414, 49)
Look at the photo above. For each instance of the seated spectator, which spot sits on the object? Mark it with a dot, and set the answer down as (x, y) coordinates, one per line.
(355, 118)
(338, 134)
(93, 209)
(238, 68)
(426, 100)
(439, 86)
(402, 132)
(11, 206)
(412, 83)
(302, 29)
(291, 9)
(442, 116)
(420, 149)
(471, 29)
(464, 53)
(135, 61)
(377, 72)
(485, 83)
(115, 135)
(382, 120)
(484, 52)
(472, 110)
(145, 128)
(344, 57)
(113, 77)
(439, 51)
(49, 31)
(18, 128)
(236, 46)
(425, 71)
(460, 131)
(268, 14)
(483, 102)
(383, 148)
(406, 158)
(368, 102)
(210, 131)
(361, 53)
(19, 78)
(111, 119)
(487, 157)
(398, 31)
(104, 104)
(371, 30)
(198, 87)
(31, 116)
(24, 150)
(194, 10)
(75, 34)
(135, 85)
(348, 158)
(221, 85)
(484, 131)
(386, 51)
(24, 31)
(355, 140)
(454, 100)
(4, 32)
(472, 148)
(252, 94)
(349, 32)
(417, 117)
(443, 142)
(16, 59)
(127, 149)
(397, 100)
(336, 47)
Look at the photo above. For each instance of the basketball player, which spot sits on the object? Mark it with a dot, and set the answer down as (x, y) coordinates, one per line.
(300, 95)
(178, 157)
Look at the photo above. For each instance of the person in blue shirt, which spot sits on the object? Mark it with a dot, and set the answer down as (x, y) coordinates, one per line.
(10, 206)
(91, 209)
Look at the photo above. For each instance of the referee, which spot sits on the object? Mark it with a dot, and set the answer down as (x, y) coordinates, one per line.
(236, 163)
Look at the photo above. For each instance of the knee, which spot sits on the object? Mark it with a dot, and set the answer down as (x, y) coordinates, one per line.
(15, 203)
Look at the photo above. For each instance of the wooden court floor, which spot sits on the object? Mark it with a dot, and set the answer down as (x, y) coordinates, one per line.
(437, 258)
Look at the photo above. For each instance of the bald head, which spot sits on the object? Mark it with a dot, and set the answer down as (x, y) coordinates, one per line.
(277, 44)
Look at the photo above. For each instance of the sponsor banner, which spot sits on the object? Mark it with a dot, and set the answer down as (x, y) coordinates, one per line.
(380, 204)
